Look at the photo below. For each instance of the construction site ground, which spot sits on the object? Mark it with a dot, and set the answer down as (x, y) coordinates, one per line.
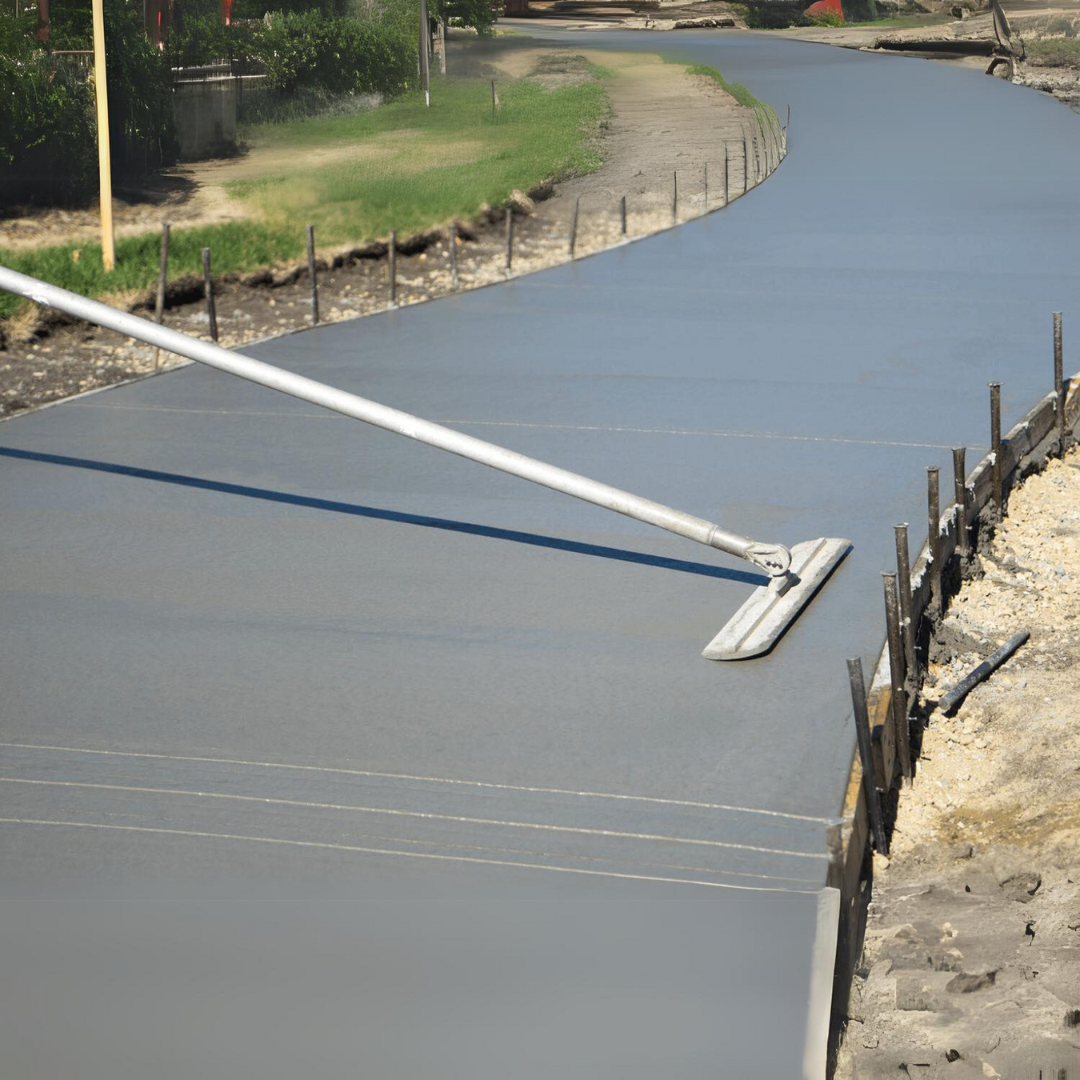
(970, 963)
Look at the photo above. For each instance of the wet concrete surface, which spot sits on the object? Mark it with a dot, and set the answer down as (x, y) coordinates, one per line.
(243, 638)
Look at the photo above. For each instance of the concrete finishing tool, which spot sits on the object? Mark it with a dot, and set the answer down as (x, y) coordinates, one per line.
(757, 626)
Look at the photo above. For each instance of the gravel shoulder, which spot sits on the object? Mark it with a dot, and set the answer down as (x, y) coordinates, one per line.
(970, 965)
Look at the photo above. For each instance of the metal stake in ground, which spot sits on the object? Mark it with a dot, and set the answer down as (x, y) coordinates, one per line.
(1059, 377)
(995, 448)
(933, 535)
(725, 175)
(745, 167)
(963, 545)
(674, 198)
(903, 584)
(622, 214)
(163, 274)
(509, 239)
(573, 225)
(896, 676)
(493, 97)
(706, 187)
(312, 275)
(455, 284)
(392, 259)
(866, 756)
(208, 288)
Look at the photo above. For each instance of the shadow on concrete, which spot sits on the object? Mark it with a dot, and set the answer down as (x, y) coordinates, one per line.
(379, 514)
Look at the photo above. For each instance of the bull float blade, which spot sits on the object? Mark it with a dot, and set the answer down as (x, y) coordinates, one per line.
(757, 626)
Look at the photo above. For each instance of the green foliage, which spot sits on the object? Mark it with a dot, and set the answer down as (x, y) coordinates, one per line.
(456, 157)
(774, 15)
(480, 14)
(47, 149)
(47, 122)
(335, 55)
(826, 18)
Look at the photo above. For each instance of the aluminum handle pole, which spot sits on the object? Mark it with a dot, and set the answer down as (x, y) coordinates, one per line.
(773, 558)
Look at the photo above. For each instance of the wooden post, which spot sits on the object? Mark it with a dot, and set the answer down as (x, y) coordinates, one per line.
(455, 283)
(208, 288)
(101, 97)
(163, 273)
(392, 253)
(313, 275)
(442, 46)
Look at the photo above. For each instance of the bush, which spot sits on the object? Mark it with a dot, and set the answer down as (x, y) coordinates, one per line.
(336, 55)
(774, 15)
(48, 129)
(826, 18)
(47, 146)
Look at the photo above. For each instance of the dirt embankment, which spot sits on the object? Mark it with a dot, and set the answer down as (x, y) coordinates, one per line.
(971, 967)
(664, 122)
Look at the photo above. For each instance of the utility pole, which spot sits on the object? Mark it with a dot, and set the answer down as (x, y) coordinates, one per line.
(425, 47)
(101, 96)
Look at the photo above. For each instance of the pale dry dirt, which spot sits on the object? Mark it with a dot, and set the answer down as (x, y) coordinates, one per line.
(664, 121)
(971, 966)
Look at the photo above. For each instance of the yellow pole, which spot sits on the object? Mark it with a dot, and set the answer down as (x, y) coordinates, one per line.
(101, 95)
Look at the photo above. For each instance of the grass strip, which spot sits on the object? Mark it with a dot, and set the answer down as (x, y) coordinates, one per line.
(400, 166)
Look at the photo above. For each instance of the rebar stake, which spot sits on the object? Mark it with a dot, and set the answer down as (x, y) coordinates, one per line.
(1059, 379)
(509, 239)
(208, 289)
(963, 543)
(903, 585)
(313, 275)
(622, 214)
(392, 267)
(995, 449)
(933, 536)
(455, 282)
(573, 225)
(866, 756)
(898, 702)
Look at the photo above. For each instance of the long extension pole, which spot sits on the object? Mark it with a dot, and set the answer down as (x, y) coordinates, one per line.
(774, 559)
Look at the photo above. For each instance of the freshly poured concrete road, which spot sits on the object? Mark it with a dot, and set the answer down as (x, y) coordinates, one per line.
(249, 643)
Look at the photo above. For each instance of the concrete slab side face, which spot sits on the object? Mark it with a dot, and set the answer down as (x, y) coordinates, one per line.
(242, 638)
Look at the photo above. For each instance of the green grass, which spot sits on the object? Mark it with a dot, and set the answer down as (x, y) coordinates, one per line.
(764, 113)
(414, 167)
(736, 90)
(1053, 52)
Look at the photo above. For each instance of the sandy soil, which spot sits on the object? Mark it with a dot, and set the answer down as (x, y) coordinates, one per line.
(970, 966)
(664, 122)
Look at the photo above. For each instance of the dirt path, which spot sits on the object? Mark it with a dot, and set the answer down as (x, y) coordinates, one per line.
(970, 968)
(665, 121)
